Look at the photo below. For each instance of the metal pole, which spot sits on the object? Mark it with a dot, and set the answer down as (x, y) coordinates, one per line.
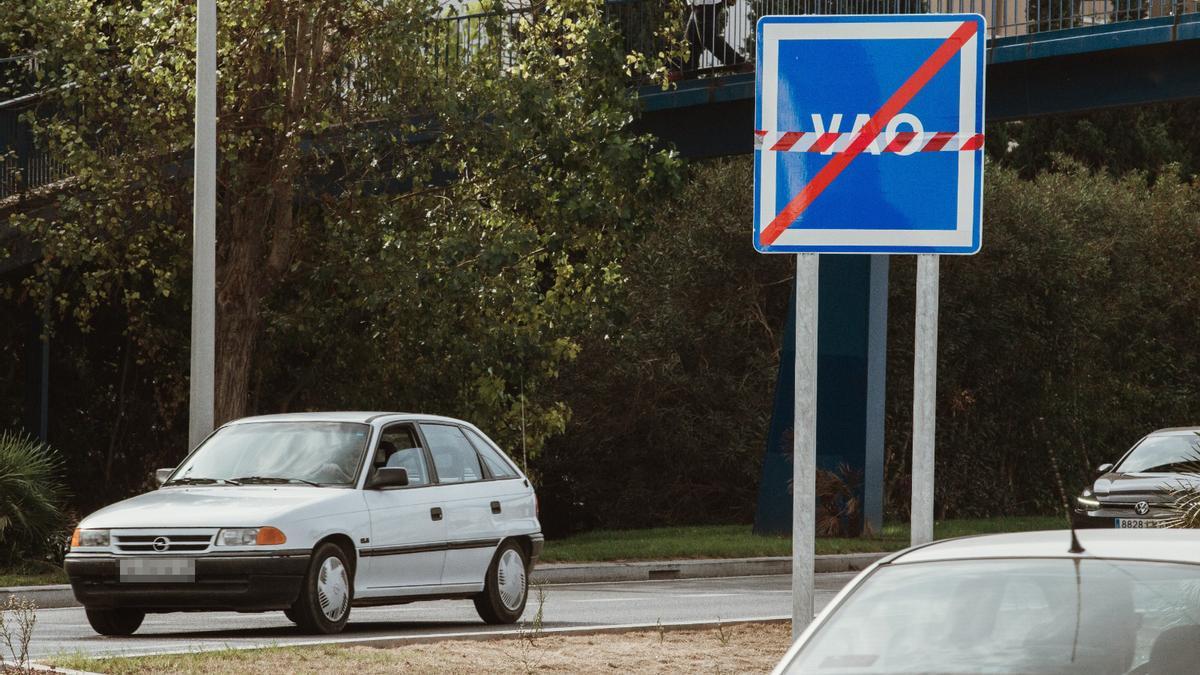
(204, 225)
(924, 398)
(804, 443)
(877, 313)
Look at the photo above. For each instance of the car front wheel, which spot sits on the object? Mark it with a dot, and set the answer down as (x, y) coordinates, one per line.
(506, 588)
(324, 602)
(114, 622)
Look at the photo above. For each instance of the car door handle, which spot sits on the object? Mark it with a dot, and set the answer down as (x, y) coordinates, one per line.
(436, 513)
(495, 507)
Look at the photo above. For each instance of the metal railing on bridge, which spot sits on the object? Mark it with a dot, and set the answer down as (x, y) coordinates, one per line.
(719, 34)
(706, 36)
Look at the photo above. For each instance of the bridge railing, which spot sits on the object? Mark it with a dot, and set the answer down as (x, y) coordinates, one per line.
(719, 34)
(706, 36)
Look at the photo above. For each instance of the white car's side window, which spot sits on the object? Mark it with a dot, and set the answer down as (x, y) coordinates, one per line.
(398, 447)
(496, 464)
(453, 456)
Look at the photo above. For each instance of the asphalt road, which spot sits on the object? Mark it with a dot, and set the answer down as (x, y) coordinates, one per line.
(565, 607)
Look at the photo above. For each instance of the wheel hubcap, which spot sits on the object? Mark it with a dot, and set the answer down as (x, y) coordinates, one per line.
(333, 589)
(510, 579)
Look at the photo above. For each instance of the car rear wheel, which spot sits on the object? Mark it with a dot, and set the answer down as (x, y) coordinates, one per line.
(114, 622)
(324, 602)
(506, 588)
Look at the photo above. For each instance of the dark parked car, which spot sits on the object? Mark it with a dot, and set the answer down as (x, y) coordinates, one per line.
(1140, 490)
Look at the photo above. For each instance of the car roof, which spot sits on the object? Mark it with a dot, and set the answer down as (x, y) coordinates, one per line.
(361, 416)
(1166, 545)
(1174, 431)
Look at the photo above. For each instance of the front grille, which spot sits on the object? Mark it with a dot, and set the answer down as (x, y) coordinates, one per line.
(167, 542)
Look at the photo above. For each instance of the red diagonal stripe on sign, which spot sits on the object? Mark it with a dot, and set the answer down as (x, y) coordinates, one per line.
(940, 57)
(901, 141)
(939, 141)
(973, 143)
(786, 141)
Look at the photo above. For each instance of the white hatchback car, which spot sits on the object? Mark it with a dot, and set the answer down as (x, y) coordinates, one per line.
(311, 514)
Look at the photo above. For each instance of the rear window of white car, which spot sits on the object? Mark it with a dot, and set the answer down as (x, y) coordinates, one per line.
(496, 464)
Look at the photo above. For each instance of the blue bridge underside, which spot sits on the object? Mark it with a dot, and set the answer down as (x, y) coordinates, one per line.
(1056, 72)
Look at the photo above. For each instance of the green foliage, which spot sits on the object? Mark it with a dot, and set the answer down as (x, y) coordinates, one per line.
(1070, 336)
(31, 497)
(671, 400)
(396, 230)
(1144, 138)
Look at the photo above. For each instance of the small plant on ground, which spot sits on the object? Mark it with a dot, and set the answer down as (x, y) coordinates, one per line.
(526, 653)
(723, 636)
(18, 616)
(31, 498)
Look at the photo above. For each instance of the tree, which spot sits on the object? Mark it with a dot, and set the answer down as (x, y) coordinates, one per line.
(395, 229)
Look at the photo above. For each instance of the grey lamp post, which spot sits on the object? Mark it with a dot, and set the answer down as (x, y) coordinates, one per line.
(204, 225)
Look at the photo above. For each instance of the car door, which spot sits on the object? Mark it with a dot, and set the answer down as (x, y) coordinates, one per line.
(510, 498)
(471, 537)
(408, 532)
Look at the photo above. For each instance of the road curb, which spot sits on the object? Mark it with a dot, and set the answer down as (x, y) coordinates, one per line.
(654, 570)
(45, 597)
(50, 597)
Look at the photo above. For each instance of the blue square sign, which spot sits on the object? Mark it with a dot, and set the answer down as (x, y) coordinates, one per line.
(869, 134)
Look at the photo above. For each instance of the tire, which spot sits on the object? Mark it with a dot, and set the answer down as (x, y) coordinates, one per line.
(114, 622)
(324, 603)
(506, 588)
(291, 615)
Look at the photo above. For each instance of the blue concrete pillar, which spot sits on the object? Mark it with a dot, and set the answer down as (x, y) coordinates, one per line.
(851, 365)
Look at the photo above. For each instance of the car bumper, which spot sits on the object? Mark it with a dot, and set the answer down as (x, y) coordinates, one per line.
(1107, 518)
(245, 583)
(536, 543)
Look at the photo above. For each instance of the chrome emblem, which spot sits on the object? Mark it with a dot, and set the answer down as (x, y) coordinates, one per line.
(162, 543)
(1142, 508)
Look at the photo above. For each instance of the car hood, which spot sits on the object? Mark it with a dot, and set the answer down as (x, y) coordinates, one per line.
(225, 506)
(1136, 486)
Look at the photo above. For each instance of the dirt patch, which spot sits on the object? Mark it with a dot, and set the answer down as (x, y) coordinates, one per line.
(735, 648)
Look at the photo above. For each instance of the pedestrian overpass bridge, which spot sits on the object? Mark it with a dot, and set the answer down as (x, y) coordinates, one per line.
(1044, 57)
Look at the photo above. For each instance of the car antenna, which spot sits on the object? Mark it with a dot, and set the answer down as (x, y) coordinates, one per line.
(1076, 547)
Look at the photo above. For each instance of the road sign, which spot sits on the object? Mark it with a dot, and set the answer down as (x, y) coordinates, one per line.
(869, 134)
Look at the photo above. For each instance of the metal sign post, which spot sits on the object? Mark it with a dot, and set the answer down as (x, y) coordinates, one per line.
(924, 399)
(804, 443)
(868, 139)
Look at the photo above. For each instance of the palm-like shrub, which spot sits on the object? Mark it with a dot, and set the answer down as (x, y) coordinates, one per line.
(1185, 491)
(31, 496)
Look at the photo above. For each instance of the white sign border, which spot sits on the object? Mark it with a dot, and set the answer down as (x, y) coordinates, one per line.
(857, 240)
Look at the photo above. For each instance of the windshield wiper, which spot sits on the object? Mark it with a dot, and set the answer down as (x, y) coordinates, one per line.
(274, 480)
(200, 481)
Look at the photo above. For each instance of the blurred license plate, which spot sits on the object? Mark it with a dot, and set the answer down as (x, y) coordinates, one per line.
(158, 569)
(1136, 523)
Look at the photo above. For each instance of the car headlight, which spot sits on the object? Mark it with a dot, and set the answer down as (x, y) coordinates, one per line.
(1087, 501)
(90, 538)
(250, 536)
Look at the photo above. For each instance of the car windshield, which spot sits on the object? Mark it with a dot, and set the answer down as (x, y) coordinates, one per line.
(1064, 616)
(1164, 454)
(322, 453)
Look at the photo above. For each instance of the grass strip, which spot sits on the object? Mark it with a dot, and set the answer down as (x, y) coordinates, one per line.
(739, 541)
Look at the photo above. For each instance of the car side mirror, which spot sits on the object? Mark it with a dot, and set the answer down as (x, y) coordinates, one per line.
(161, 475)
(1104, 468)
(388, 476)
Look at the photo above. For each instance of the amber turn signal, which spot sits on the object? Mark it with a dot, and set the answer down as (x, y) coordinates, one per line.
(75, 538)
(270, 536)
